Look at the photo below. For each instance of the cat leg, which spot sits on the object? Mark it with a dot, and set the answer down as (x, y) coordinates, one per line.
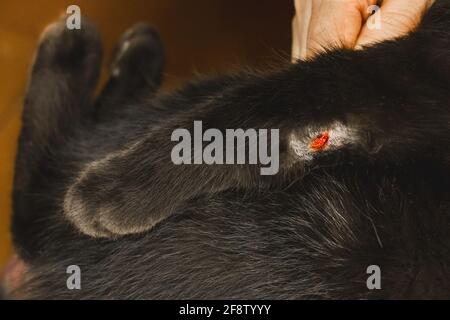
(136, 70)
(62, 80)
(375, 103)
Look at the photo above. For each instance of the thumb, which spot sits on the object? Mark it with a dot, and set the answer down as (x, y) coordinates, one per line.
(394, 19)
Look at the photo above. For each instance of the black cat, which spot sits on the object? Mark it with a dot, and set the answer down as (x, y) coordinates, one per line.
(95, 185)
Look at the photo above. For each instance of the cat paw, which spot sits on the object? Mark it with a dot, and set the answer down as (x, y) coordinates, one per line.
(76, 53)
(98, 204)
(139, 53)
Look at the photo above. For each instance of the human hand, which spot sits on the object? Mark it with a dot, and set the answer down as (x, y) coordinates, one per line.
(322, 24)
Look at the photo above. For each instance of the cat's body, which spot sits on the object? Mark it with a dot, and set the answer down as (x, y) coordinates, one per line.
(95, 186)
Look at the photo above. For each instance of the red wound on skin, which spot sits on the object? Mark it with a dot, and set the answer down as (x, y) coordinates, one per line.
(320, 142)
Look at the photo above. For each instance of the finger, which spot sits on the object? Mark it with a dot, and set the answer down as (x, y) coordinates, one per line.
(300, 27)
(394, 19)
(295, 53)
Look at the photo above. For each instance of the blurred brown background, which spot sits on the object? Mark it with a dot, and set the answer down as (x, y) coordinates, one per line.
(201, 36)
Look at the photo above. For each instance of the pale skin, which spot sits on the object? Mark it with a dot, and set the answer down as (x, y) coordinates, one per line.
(324, 24)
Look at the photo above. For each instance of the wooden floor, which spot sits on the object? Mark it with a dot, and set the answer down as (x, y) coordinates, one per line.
(201, 36)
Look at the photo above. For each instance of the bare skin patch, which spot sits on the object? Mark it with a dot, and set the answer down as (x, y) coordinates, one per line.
(315, 140)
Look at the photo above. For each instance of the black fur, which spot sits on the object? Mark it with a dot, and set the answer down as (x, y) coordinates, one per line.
(225, 231)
